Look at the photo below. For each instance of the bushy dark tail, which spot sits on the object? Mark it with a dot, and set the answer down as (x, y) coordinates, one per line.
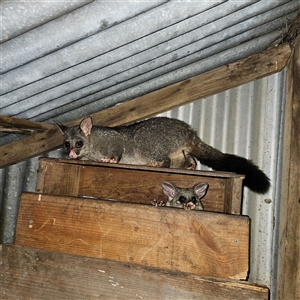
(255, 179)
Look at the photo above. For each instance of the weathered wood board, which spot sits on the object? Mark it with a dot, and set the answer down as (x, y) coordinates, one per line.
(137, 184)
(197, 242)
(29, 273)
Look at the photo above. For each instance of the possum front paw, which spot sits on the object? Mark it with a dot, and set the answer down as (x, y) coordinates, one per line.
(158, 204)
(189, 206)
(109, 160)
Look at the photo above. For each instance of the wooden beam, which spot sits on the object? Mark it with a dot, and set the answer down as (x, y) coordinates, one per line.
(210, 83)
(242, 71)
(29, 273)
(28, 147)
(15, 125)
(288, 279)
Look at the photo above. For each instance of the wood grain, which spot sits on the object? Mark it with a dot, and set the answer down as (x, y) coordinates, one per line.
(197, 242)
(41, 275)
(137, 184)
(220, 79)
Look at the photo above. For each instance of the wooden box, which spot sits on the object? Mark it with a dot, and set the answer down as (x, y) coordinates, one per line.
(137, 184)
(197, 242)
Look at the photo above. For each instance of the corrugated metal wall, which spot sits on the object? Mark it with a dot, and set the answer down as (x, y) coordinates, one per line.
(247, 121)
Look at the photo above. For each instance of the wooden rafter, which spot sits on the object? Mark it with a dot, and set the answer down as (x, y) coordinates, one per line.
(220, 79)
(14, 125)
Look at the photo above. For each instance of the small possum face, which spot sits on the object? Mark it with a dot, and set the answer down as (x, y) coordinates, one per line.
(77, 138)
(75, 143)
(187, 198)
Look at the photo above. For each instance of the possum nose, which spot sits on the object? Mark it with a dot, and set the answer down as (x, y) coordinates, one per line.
(72, 154)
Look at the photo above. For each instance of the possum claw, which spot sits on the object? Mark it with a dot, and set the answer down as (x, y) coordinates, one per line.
(158, 204)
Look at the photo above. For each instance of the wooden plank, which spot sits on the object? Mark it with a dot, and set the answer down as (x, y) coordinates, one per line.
(288, 279)
(233, 196)
(59, 178)
(137, 184)
(15, 125)
(203, 85)
(197, 242)
(36, 274)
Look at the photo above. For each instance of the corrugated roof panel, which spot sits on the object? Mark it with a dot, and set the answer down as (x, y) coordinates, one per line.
(98, 67)
(21, 16)
(133, 68)
(73, 27)
(129, 31)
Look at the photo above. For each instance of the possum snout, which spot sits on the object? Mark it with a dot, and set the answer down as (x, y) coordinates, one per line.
(73, 154)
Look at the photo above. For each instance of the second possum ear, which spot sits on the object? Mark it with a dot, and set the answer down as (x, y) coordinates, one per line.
(86, 126)
(168, 189)
(62, 128)
(200, 189)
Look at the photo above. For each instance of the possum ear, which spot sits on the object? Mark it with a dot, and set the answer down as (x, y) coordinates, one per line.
(168, 189)
(200, 189)
(86, 126)
(62, 128)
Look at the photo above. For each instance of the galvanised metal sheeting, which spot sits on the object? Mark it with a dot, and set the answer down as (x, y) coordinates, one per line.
(25, 15)
(105, 78)
(68, 29)
(164, 44)
(132, 30)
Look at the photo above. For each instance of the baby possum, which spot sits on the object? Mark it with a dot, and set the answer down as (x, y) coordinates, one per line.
(187, 198)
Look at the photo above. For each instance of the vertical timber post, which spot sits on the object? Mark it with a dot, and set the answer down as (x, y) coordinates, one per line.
(288, 279)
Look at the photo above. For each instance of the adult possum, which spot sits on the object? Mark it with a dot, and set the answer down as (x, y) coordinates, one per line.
(161, 142)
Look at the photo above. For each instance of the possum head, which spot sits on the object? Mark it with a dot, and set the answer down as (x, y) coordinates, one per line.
(76, 141)
(187, 198)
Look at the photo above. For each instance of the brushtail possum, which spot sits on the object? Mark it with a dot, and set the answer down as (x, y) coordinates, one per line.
(161, 142)
(187, 198)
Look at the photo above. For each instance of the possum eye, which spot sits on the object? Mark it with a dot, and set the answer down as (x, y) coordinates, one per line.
(182, 199)
(194, 199)
(79, 144)
(67, 145)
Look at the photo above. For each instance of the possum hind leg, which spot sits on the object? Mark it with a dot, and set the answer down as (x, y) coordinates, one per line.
(162, 164)
(181, 160)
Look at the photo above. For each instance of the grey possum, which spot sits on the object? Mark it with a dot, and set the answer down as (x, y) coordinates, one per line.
(187, 198)
(161, 142)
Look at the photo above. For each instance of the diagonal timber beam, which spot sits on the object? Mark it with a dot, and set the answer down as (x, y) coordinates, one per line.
(212, 82)
(15, 125)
